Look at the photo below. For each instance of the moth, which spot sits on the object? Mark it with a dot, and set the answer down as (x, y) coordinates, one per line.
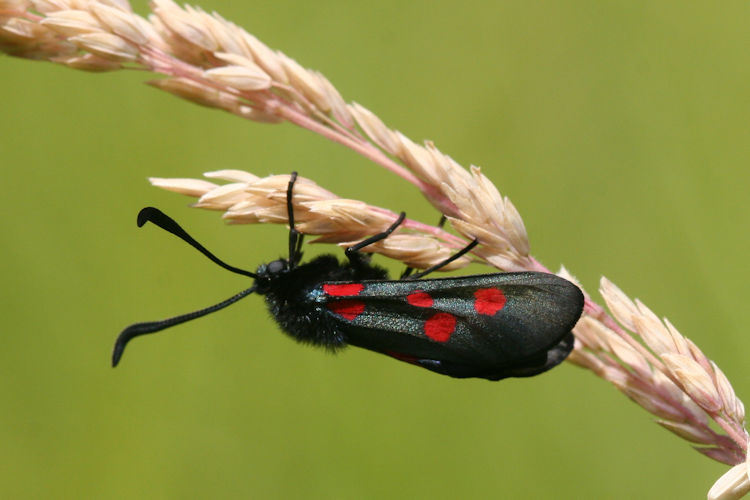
(490, 326)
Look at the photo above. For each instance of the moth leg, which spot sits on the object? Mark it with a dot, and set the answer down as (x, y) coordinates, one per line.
(407, 272)
(295, 238)
(352, 252)
(445, 262)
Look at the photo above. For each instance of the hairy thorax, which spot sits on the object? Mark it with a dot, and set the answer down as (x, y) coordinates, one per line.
(293, 298)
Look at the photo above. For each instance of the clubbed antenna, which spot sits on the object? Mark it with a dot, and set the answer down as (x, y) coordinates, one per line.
(155, 326)
(156, 216)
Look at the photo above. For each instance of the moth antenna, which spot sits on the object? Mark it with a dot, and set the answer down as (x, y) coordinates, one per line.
(156, 216)
(138, 329)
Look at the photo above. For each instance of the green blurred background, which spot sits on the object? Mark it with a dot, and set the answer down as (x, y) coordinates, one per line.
(618, 129)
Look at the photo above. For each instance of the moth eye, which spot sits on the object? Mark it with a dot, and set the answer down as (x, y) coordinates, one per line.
(277, 266)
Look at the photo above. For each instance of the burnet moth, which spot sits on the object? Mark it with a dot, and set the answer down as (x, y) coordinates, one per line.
(489, 326)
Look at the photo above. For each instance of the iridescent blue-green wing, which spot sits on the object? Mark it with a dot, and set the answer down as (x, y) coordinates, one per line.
(491, 326)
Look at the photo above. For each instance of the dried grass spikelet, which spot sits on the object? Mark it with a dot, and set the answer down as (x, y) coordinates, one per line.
(248, 199)
(478, 210)
(732, 485)
(665, 373)
(682, 360)
(215, 63)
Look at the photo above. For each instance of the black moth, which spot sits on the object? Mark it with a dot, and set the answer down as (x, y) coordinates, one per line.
(489, 326)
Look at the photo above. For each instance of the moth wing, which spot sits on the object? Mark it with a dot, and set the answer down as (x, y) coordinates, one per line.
(490, 326)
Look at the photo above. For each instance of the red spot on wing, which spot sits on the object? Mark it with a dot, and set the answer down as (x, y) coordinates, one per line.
(419, 299)
(489, 301)
(347, 309)
(440, 326)
(343, 290)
